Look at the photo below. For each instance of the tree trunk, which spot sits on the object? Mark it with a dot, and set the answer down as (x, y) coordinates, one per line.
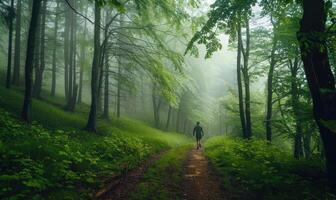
(9, 55)
(298, 148)
(100, 84)
(106, 73)
(168, 117)
(178, 116)
(81, 69)
(270, 93)
(40, 69)
(319, 76)
(71, 56)
(73, 86)
(307, 142)
(17, 55)
(246, 55)
(29, 61)
(106, 89)
(66, 50)
(92, 121)
(53, 70)
(239, 83)
(74, 60)
(118, 88)
(185, 125)
(156, 106)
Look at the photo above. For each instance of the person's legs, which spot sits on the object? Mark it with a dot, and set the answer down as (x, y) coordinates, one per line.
(198, 140)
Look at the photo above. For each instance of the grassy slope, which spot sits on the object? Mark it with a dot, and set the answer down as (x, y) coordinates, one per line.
(257, 170)
(58, 158)
(164, 179)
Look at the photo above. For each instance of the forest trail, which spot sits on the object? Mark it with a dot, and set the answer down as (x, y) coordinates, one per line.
(199, 182)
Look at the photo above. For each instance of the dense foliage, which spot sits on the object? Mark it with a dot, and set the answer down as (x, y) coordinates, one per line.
(255, 169)
(40, 163)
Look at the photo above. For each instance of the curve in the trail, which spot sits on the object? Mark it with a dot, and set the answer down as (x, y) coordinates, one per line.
(200, 183)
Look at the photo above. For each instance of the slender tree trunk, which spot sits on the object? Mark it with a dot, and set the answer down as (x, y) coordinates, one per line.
(66, 50)
(80, 89)
(178, 116)
(307, 142)
(9, 55)
(298, 148)
(81, 70)
(74, 61)
(320, 78)
(239, 83)
(185, 125)
(37, 50)
(270, 93)
(118, 88)
(106, 73)
(26, 109)
(168, 117)
(92, 121)
(54, 54)
(246, 56)
(17, 55)
(120, 63)
(106, 89)
(73, 87)
(71, 55)
(40, 69)
(156, 106)
(100, 88)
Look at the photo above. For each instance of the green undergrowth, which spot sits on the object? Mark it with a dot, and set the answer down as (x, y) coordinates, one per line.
(255, 169)
(54, 158)
(164, 178)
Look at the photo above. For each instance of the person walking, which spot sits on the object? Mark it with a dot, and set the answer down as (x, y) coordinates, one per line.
(198, 132)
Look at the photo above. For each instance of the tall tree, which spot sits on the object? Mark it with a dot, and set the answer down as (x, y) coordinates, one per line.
(269, 102)
(239, 82)
(156, 99)
(106, 74)
(169, 116)
(246, 56)
(17, 55)
(319, 75)
(295, 96)
(54, 53)
(82, 60)
(39, 69)
(26, 110)
(92, 120)
(66, 51)
(10, 36)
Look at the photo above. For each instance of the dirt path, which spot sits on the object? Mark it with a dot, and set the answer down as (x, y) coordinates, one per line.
(200, 183)
(118, 188)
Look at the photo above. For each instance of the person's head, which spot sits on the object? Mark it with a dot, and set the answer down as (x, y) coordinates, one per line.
(198, 123)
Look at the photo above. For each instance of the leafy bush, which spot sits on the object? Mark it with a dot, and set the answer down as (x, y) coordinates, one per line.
(256, 169)
(40, 163)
